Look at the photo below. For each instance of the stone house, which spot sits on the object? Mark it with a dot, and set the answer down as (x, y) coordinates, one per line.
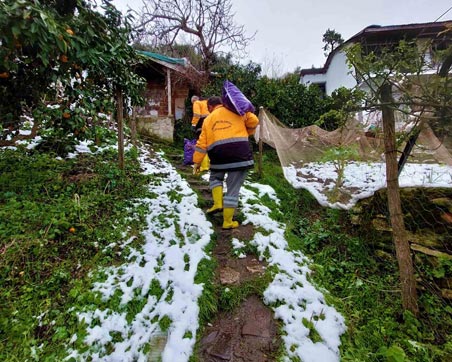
(170, 82)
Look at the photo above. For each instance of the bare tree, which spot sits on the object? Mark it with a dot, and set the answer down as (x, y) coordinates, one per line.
(206, 24)
(272, 66)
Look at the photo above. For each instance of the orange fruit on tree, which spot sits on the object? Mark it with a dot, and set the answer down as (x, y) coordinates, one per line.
(4, 75)
(72, 229)
(69, 31)
(63, 58)
(66, 115)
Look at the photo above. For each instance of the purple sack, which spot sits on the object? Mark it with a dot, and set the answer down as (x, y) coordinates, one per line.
(234, 100)
(189, 150)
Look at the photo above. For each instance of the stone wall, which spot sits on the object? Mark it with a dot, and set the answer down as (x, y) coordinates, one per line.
(427, 214)
(161, 127)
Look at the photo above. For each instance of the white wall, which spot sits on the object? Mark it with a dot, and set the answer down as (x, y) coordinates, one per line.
(338, 74)
(309, 79)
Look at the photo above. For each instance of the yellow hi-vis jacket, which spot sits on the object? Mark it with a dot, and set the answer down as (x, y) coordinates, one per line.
(224, 137)
(199, 110)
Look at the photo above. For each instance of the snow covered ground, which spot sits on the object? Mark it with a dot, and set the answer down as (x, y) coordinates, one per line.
(174, 246)
(362, 179)
(175, 236)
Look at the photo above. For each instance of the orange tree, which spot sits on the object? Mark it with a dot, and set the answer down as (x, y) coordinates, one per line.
(60, 63)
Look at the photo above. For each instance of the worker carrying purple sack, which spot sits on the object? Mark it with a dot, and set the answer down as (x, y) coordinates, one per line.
(224, 138)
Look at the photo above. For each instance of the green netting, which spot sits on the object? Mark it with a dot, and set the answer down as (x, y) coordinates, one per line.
(162, 58)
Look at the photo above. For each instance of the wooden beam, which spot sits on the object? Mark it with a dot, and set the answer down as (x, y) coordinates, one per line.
(261, 147)
(431, 252)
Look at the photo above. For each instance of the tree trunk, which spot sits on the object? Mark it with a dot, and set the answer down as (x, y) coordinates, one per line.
(402, 247)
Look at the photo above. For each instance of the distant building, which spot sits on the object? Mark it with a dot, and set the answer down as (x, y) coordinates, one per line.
(336, 72)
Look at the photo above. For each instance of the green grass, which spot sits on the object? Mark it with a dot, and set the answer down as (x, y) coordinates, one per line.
(231, 297)
(44, 266)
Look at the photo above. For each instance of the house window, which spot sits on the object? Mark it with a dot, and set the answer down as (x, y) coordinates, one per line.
(379, 47)
(436, 52)
(321, 86)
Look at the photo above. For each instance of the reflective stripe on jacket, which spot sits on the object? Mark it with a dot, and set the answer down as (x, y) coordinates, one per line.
(224, 137)
(199, 110)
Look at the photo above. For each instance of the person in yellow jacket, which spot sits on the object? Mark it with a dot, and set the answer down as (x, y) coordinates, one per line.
(224, 138)
(200, 110)
(205, 164)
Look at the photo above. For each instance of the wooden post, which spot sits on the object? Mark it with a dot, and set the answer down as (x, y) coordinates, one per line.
(119, 115)
(133, 126)
(168, 80)
(260, 143)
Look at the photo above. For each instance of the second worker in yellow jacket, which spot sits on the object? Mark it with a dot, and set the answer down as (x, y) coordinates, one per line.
(200, 110)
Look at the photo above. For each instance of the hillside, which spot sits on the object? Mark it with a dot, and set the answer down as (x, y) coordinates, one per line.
(104, 264)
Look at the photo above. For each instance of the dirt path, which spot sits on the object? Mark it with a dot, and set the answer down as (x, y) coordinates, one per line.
(249, 333)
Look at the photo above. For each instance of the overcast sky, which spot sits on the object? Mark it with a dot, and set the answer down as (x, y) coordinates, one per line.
(289, 32)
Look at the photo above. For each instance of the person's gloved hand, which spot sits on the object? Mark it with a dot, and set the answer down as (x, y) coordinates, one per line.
(196, 168)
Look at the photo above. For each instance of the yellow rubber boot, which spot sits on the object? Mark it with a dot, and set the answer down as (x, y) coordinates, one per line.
(205, 164)
(228, 213)
(217, 195)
